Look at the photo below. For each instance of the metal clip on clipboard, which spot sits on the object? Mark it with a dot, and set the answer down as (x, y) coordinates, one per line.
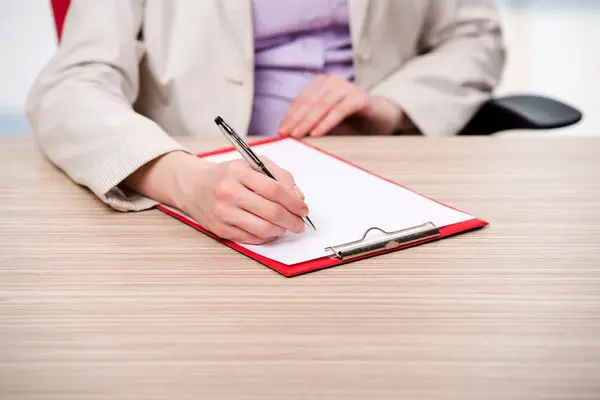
(389, 241)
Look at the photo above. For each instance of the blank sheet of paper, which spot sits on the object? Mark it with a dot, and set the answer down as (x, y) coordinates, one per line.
(344, 202)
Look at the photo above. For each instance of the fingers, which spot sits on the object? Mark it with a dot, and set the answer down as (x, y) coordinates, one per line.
(263, 199)
(271, 212)
(321, 107)
(283, 176)
(303, 103)
(349, 106)
(231, 215)
(238, 203)
(324, 104)
(274, 191)
(239, 235)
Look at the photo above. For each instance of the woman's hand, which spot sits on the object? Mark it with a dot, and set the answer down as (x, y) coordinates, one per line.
(329, 102)
(229, 199)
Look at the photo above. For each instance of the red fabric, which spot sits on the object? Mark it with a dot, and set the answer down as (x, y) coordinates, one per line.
(59, 8)
(324, 262)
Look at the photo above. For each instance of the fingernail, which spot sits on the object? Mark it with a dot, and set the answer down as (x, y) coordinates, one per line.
(304, 212)
(298, 192)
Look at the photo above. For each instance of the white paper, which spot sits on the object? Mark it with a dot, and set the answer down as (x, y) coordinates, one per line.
(344, 202)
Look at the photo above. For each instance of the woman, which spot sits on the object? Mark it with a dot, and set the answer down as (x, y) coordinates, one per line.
(131, 74)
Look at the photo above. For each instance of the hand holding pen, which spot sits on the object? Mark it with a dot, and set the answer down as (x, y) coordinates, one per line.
(230, 199)
(253, 160)
(238, 203)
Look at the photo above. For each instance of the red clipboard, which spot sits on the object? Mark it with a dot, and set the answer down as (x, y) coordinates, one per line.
(327, 261)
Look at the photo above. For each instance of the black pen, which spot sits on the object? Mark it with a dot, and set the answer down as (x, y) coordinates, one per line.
(249, 155)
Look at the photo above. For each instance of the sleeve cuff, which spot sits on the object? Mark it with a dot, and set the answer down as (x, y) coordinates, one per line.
(134, 149)
(428, 110)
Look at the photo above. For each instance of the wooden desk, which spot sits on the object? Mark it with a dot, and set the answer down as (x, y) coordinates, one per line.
(96, 304)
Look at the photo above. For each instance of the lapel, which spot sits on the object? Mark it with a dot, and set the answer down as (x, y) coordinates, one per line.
(239, 16)
(358, 10)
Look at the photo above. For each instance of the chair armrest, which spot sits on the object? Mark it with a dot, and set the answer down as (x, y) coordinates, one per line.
(521, 112)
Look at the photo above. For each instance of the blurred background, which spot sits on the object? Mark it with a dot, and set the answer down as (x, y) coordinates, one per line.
(553, 48)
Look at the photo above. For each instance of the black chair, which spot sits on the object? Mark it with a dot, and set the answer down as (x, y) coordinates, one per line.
(521, 112)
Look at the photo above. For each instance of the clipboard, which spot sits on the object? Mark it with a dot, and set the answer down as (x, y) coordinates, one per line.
(374, 241)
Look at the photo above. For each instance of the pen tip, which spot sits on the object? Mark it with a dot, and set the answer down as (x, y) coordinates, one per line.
(311, 223)
(218, 120)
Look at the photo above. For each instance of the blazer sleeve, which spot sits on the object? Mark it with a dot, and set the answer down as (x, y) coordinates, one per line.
(81, 105)
(461, 62)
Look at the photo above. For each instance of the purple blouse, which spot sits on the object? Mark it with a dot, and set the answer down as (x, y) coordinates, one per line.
(295, 40)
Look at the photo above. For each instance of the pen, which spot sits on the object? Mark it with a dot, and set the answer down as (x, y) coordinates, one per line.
(249, 155)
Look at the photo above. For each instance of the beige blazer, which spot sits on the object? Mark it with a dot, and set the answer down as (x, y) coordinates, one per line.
(131, 74)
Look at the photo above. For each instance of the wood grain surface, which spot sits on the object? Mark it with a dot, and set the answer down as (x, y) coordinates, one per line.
(96, 304)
